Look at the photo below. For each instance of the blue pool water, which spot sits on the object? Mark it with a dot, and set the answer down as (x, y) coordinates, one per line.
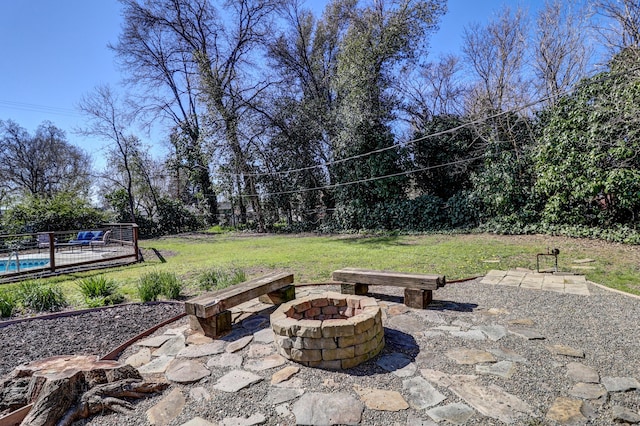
(24, 264)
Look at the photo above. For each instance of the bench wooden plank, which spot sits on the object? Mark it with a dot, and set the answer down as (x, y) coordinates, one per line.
(389, 278)
(210, 304)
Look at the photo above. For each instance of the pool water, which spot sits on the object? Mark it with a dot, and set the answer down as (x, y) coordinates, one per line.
(24, 264)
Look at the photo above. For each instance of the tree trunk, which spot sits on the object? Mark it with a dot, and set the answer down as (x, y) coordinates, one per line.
(64, 389)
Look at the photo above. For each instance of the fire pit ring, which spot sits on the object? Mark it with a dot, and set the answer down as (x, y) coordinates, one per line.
(329, 330)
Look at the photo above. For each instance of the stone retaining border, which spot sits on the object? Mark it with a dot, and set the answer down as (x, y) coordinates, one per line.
(331, 331)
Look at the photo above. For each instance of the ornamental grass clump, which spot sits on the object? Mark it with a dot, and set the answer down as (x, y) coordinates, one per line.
(217, 278)
(156, 283)
(41, 297)
(8, 303)
(100, 291)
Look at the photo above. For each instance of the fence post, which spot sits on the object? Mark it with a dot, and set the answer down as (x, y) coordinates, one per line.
(134, 229)
(52, 250)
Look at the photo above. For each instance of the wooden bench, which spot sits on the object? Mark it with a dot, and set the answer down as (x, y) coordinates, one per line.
(209, 313)
(418, 288)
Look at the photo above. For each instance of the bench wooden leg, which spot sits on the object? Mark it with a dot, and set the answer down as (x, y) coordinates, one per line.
(417, 298)
(213, 326)
(357, 289)
(283, 295)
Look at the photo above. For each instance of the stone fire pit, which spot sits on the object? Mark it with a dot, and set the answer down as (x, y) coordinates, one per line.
(330, 330)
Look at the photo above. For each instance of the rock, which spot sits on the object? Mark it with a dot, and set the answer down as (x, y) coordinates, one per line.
(225, 360)
(470, 356)
(236, 345)
(337, 408)
(566, 351)
(254, 419)
(140, 358)
(186, 371)
(155, 342)
(381, 400)
(169, 407)
(197, 421)
(198, 351)
(469, 334)
(156, 366)
(492, 401)
(581, 373)
(406, 323)
(624, 415)
(263, 336)
(271, 361)
(566, 411)
(456, 414)
(199, 394)
(504, 369)
(171, 347)
(259, 351)
(527, 333)
(198, 339)
(414, 420)
(420, 394)
(277, 396)
(507, 355)
(620, 384)
(493, 332)
(236, 380)
(284, 374)
(588, 391)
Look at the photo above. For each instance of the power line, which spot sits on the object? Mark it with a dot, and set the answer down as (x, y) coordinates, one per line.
(22, 106)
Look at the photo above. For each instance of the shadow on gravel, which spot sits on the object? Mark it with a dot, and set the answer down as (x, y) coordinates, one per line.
(436, 305)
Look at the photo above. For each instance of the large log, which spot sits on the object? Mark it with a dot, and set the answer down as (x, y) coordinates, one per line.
(64, 389)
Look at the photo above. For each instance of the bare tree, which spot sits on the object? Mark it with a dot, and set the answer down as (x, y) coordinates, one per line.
(624, 19)
(562, 51)
(496, 56)
(436, 90)
(109, 121)
(43, 164)
(164, 68)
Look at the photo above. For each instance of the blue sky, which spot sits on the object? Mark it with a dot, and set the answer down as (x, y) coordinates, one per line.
(54, 52)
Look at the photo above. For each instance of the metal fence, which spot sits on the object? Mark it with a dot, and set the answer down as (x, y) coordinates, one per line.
(46, 253)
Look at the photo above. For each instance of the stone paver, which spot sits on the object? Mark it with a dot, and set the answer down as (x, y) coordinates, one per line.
(339, 408)
(167, 409)
(457, 414)
(156, 366)
(236, 380)
(277, 396)
(254, 419)
(420, 394)
(530, 280)
(566, 411)
(381, 400)
(624, 415)
(198, 351)
(492, 401)
(197, 421)
(582, 373)
(225, 360)
(239, 344)
(284, 374)
(470, 356)
(186, 371)
(566, 351)
(504, 369)
(620, 384)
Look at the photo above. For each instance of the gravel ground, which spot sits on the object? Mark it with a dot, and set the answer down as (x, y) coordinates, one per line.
(93, 333)
(605, 325)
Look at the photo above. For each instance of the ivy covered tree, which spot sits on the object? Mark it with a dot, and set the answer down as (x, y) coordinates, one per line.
(588, 158)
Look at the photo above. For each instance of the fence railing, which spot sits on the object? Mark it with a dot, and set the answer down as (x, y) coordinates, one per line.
(50, 252)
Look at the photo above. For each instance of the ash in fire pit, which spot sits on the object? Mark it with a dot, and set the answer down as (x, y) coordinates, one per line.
(331, 330)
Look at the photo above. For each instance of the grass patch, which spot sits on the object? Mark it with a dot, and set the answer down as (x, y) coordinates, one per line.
(218, 278)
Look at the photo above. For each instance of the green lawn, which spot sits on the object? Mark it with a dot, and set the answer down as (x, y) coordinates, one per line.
(312, 258)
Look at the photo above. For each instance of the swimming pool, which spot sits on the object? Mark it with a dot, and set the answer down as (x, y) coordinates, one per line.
(24, 264)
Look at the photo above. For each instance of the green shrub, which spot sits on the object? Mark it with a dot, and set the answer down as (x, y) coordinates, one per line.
(153, 284)
(7, 303)
(41, 297)
(100, 291)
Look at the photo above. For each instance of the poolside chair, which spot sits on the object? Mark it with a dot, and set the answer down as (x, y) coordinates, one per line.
(103, 242)
(43, 241)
